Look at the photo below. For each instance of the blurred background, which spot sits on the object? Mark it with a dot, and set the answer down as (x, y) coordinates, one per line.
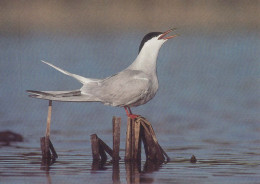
(84, 17)
(208, 99)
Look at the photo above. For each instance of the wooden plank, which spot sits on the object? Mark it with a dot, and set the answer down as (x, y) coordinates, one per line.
(155, 153)
(128, 147)
(132, 139)
(159, 155)
(106, 147)
(116, 137)
(55, 155)
(102, 152)
(137, 142)
(151, 149)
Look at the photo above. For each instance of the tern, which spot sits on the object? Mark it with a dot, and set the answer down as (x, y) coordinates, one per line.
(134, 86)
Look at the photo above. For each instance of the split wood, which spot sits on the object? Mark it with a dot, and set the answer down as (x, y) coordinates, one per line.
(141, 129)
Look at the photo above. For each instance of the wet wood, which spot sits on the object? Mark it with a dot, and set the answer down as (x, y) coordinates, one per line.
(102, 153)
(137, 141)
(116, 137)
(128, 149)
(150, 146)
(95, 147)
(46, 154)
(50, 153)
(139, 130)
(107, 149)
(100, 148)
(53, 152)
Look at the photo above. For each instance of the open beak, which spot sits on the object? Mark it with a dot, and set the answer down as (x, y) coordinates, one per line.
(165, 33)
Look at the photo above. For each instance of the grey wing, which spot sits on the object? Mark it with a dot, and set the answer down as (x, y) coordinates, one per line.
(123, 89)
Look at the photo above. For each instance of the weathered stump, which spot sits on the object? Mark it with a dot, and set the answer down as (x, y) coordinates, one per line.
(141, 129)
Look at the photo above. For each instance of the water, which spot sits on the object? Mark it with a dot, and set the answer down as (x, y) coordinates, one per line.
(207, 105)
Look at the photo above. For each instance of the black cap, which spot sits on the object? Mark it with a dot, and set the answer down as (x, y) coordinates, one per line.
(148, 37)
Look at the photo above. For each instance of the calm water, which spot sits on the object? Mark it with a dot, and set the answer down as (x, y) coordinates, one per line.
(207, 105)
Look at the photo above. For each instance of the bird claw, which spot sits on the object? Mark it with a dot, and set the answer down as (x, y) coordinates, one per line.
(133, 116)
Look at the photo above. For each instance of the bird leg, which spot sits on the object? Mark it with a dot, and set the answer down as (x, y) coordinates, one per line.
(130, 114)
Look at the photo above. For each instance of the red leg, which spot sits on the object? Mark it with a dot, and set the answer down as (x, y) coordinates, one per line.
(129, 114)
(129, 110)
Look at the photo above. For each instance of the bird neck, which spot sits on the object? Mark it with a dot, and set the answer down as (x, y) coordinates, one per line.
(145, 61)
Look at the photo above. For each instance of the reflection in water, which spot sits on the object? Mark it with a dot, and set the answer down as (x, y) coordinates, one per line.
(48, 177)
(98, 165)
(116, 173)
(134, 173)
(45, 165)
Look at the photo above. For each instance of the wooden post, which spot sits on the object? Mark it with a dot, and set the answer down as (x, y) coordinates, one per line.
(95, 147)
(133, 141)
(47, 133)
(128, 149)
(116, 137)
(137, 130)
(48, 151)
(45, 152)
(137, 141)
(99, 149)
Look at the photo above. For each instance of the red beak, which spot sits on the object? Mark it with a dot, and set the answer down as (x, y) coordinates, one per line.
(165, 33)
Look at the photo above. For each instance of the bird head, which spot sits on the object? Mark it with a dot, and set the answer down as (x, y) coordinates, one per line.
(155, 40)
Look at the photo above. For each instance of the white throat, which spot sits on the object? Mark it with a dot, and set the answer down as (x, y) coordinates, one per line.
(146, 59)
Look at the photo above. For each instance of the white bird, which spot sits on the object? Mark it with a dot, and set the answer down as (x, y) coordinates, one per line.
(134, 86)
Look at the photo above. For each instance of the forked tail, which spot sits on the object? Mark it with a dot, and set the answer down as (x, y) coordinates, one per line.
(65, 96)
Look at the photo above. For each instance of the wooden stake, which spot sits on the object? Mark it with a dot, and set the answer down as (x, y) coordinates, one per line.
(132, 139)
(47, 133)
(128, 149)
(95, 147)
(116, 137)
(137, 141)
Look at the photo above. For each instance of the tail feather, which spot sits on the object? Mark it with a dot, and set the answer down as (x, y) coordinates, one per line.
(81, 79)
(65, 96)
